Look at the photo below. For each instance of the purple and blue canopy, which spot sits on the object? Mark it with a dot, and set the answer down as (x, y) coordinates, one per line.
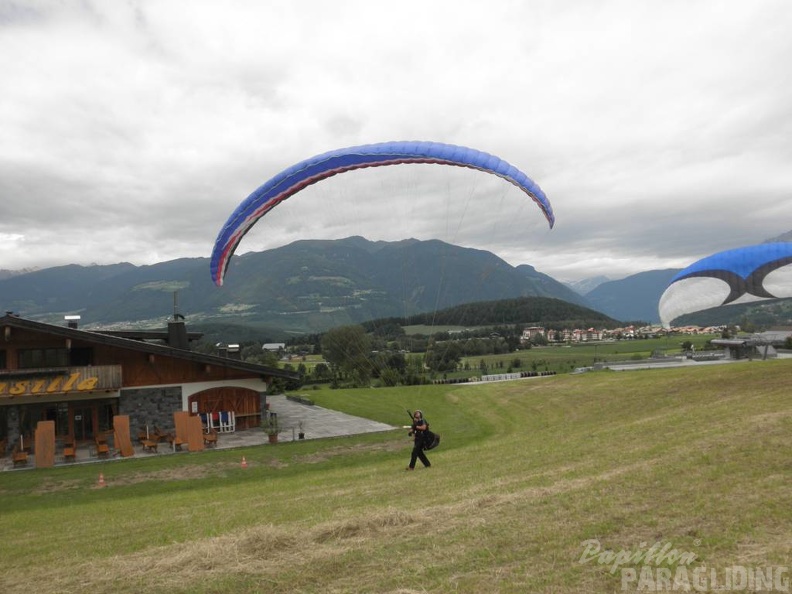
(308, 172)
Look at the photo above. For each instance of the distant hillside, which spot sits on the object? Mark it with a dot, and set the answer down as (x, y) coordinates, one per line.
(9, 273)
(310, 286)
(749, 316)
(633, 298)
(307, 286)
(586, 285)
(553, 313)
(783, 237)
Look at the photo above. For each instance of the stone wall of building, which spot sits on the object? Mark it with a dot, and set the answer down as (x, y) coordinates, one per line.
(150, 406)
(12, 426)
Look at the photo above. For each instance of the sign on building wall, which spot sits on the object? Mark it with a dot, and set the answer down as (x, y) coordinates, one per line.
(78, 379)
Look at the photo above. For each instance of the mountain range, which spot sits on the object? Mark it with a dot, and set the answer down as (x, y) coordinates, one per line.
(306, 286)
(309, 286)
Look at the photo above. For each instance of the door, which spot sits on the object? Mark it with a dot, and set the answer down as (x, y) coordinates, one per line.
(83, 423)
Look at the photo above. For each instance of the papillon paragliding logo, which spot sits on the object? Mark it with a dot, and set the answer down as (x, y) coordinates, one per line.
(742, 275)
(310, 171)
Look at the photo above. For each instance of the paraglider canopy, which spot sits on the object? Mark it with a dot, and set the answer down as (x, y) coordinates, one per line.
(742, 275)
(310, 171)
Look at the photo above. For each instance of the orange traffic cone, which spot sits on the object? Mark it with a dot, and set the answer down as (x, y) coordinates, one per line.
(244, 462)
(101, 480)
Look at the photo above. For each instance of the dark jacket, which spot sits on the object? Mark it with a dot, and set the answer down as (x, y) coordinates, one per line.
(418, 429)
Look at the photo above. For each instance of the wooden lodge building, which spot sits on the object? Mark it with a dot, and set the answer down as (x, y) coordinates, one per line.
(81, 380)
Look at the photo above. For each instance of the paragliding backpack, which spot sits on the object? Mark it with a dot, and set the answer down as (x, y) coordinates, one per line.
(431, 439)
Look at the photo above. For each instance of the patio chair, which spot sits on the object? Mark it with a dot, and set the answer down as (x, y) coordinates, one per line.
(176, 443)
(227, 421)
(210, 439)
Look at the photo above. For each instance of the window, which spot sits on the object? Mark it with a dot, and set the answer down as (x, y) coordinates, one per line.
(51, 412)
(37, 358)
(81, 357)
(3, 364)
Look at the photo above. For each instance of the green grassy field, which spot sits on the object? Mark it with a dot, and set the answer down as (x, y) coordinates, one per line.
(565, 358)
(560, 358)
(530, 476)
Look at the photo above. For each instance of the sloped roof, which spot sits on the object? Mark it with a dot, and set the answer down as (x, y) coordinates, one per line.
(730, 342)
(774, 335)
(12, 321)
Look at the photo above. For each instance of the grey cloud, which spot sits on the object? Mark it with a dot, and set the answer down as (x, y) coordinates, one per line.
(661, 132)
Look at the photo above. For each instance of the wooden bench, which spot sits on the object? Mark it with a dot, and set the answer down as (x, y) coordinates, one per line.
(159, 434)
(102, 449)
(156, 435)
(20, 457)
(69, 453)
(150, 445)
(69, 449)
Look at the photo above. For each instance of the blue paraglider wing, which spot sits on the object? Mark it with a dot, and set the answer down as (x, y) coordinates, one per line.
(742, 275)
(310, 171)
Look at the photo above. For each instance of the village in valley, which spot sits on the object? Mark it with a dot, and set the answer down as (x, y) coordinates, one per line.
(530, 333)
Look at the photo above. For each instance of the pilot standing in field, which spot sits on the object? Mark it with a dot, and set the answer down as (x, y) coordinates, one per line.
(419, 425)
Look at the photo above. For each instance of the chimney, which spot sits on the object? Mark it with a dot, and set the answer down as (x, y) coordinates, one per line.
(234, 352)
(72, 321)
(177, 329)
(222, 349)
(177, 335)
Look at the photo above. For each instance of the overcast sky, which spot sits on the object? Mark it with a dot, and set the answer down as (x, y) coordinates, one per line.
(660, 131)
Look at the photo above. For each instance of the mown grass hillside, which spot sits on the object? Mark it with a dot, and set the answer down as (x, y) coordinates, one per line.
(528, 471)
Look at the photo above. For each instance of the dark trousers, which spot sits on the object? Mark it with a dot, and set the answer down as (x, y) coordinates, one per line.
(418, 454)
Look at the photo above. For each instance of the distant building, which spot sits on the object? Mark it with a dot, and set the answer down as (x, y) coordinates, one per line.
(745, 348)
(530, 332)
(776, 337)
(273, 347)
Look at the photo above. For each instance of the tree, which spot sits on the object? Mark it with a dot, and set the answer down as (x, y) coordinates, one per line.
(280, 384)
(389, 361)
(539, 340)
(390, 377)
(444, 356)
(348, 350)
(322, 372)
